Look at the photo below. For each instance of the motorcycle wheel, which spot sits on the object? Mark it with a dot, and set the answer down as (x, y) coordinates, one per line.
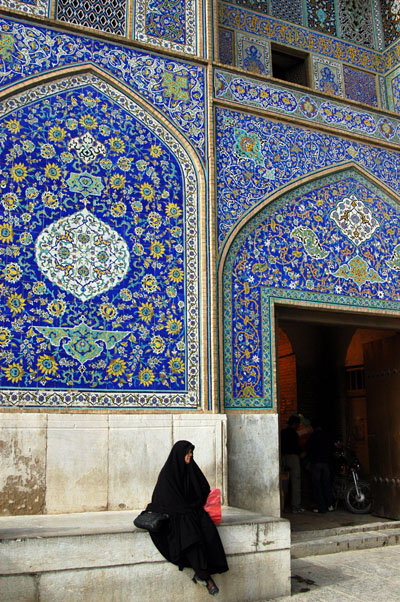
(359, 504)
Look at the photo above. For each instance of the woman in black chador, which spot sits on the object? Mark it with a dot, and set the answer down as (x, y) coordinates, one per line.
(190, 538)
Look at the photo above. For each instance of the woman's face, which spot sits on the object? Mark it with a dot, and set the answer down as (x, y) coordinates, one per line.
(188, 456)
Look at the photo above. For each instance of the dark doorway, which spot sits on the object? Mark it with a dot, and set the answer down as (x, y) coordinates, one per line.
(324, 379)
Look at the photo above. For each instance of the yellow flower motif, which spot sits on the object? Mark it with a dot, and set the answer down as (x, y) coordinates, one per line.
(147, 192)
(108, 311)
(12, 272)
(88, 122)
(16, 303)
(56, 134)
(10, 201)
(176, 365)
(52, 171)
(5, 337)
(175, 274)
(155, 150)
(56, 308)
(6, 232)
(173, 211)
(157, 249)
(146, 376)
(116, 367)
(146, 312)
(117, 145)
(174, 326)
(125, 294)
(14, 372)
(149, 283)
(19, 172)
(117, 181)
(47, 364)
(49, 200)
(118, 209)
(13, 125)
(157, 344)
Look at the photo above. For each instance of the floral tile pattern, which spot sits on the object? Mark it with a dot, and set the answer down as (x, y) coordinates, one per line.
(305, 246)
(285, 153)
(41, 8)
(98, 253)
(328, 76)
(253, 54)
(360, 86)
(28, 50)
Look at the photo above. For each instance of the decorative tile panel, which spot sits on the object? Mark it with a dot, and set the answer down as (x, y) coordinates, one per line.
(98, 256)
(302, 247)
(390, 13)
(321, 16)
(261, 6)
(104, 15)
(278, 154)
(167, 24)
(287, 10)
(356, 21)
(299, 37)
(360, 86)
(253, 54)
(328, 76)
(27, 50)
(41, 8)
(395, 85)
(225, 48)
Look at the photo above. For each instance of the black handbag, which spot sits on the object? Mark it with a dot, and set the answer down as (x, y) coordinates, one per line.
(151, 521)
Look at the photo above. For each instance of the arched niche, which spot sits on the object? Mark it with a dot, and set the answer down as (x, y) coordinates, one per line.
(331, 242)
(99, 213)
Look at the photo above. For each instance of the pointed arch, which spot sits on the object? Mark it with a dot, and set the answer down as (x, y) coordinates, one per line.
(193, 222)
(285, 249)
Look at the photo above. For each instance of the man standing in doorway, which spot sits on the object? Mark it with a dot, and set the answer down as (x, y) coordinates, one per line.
(291, 460)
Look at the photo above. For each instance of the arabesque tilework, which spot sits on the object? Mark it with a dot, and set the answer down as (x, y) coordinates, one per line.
(98, 253)
(390, 13)
(321, 16)
(286, 153)
(360, 86)
(334, 240)
(41, 8)
(175, 88)
(328, 77)
(171, 24)
(253, 54)
(295, 36)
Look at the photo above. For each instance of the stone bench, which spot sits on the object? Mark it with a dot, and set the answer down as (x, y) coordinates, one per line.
(102, 557)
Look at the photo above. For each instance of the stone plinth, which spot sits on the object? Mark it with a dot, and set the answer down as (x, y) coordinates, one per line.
(102, 556)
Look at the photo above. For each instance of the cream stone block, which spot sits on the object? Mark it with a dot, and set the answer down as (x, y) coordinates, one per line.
(138, 448)
(254, 462)
(21, 588)
(23, 462)
(251, 578)
(208, 433)
(77, 458)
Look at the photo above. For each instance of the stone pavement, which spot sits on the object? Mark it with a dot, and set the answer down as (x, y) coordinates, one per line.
(364, 575)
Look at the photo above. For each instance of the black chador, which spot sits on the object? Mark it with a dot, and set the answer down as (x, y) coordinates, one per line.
(190, 538)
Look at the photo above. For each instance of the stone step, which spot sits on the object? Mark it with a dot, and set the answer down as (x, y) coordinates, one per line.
(101, 556)
(342, 539)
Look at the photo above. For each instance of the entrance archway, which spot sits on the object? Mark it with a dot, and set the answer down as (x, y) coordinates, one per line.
(330, 243)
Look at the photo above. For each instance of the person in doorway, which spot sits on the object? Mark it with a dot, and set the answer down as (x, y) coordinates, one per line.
(319, 451)
(290, 450)
(190, 538)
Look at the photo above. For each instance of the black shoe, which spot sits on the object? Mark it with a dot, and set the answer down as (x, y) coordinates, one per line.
(209, 584)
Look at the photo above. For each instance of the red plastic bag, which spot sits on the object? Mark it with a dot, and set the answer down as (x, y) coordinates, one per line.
(213, 505)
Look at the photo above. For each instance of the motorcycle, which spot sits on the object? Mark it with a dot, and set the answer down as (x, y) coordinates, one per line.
(347, 485)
